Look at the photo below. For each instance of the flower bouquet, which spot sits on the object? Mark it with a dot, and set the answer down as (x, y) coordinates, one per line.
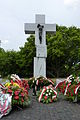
(40, 81)
(43, 81)
(62, 87)
(70, 88)
(73, 91)
(19, 81)
(19, 91)
(47, 94)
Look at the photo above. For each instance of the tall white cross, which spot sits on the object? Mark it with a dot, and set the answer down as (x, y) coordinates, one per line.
(39, 28)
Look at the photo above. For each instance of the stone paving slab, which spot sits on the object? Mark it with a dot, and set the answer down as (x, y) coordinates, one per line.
(60, 110)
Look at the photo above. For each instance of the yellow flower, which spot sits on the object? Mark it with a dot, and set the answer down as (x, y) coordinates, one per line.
(15, 84)
(7, 84)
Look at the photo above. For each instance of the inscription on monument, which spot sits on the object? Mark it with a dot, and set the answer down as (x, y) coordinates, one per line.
(41, 51)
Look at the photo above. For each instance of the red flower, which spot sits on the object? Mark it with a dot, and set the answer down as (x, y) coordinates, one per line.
(16, 97)
(69, 90)
(77, 93)
(71, 94)
(40, 90)
(9, 87)
(74, 91)
(22, 100)
(9, 90)
(12, 82)
(22, 94)
(45, 97)
(16, 92)
(26, 91)
(63, 91)
(64, 87)
(18, 82)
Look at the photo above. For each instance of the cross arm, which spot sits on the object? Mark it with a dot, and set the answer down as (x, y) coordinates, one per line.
(29, 28)
(51, 28)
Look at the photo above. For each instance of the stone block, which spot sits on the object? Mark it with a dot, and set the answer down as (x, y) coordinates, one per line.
(41, 51)
(39, 67)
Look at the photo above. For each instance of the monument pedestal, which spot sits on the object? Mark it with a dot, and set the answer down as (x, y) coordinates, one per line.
(39, 66)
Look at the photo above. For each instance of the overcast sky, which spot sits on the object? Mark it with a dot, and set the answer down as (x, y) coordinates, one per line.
(14, 13)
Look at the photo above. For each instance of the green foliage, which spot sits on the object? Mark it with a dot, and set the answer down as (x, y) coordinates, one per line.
(63, 49)
(27, 54)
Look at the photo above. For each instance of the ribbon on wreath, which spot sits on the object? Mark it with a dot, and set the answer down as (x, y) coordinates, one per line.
(46, 88)
(51, 81)
(52, 88)
(37, 81)
(5, 103)
(76, 89)
(67, 88)
(41, 95)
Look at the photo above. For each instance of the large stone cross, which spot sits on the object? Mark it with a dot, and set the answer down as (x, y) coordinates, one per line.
(39, 28)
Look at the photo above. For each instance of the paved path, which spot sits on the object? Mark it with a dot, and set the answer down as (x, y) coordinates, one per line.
(60, 110)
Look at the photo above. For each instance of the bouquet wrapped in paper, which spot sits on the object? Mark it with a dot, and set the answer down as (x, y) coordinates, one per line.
(5, 102)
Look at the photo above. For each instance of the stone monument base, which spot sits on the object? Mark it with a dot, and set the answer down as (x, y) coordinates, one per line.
(39, 67)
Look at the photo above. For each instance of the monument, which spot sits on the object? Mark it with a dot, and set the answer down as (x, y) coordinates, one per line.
(39, 28)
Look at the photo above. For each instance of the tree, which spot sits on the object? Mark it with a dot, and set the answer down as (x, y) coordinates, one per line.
(63, 51)
(27, 56)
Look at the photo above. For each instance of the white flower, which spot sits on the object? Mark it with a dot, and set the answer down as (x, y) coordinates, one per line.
(50, 90)
(46, 94)
(33, 81)
(49, 93)
(47, 90)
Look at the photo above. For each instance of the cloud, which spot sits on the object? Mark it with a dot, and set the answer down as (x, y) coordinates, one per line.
(72, 3)
(5, 41)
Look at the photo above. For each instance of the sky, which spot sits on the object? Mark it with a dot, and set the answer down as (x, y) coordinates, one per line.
(14, 13)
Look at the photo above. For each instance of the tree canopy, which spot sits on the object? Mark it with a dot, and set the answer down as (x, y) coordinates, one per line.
(63, 50)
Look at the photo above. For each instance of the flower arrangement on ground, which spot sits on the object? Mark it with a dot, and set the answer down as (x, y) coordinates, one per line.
(47, 94)
(40, 81)
(43, 81)
(73, 91)
(19, 90)
(63, 85)
(70, 88)
(13, 93)
(19, 81)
